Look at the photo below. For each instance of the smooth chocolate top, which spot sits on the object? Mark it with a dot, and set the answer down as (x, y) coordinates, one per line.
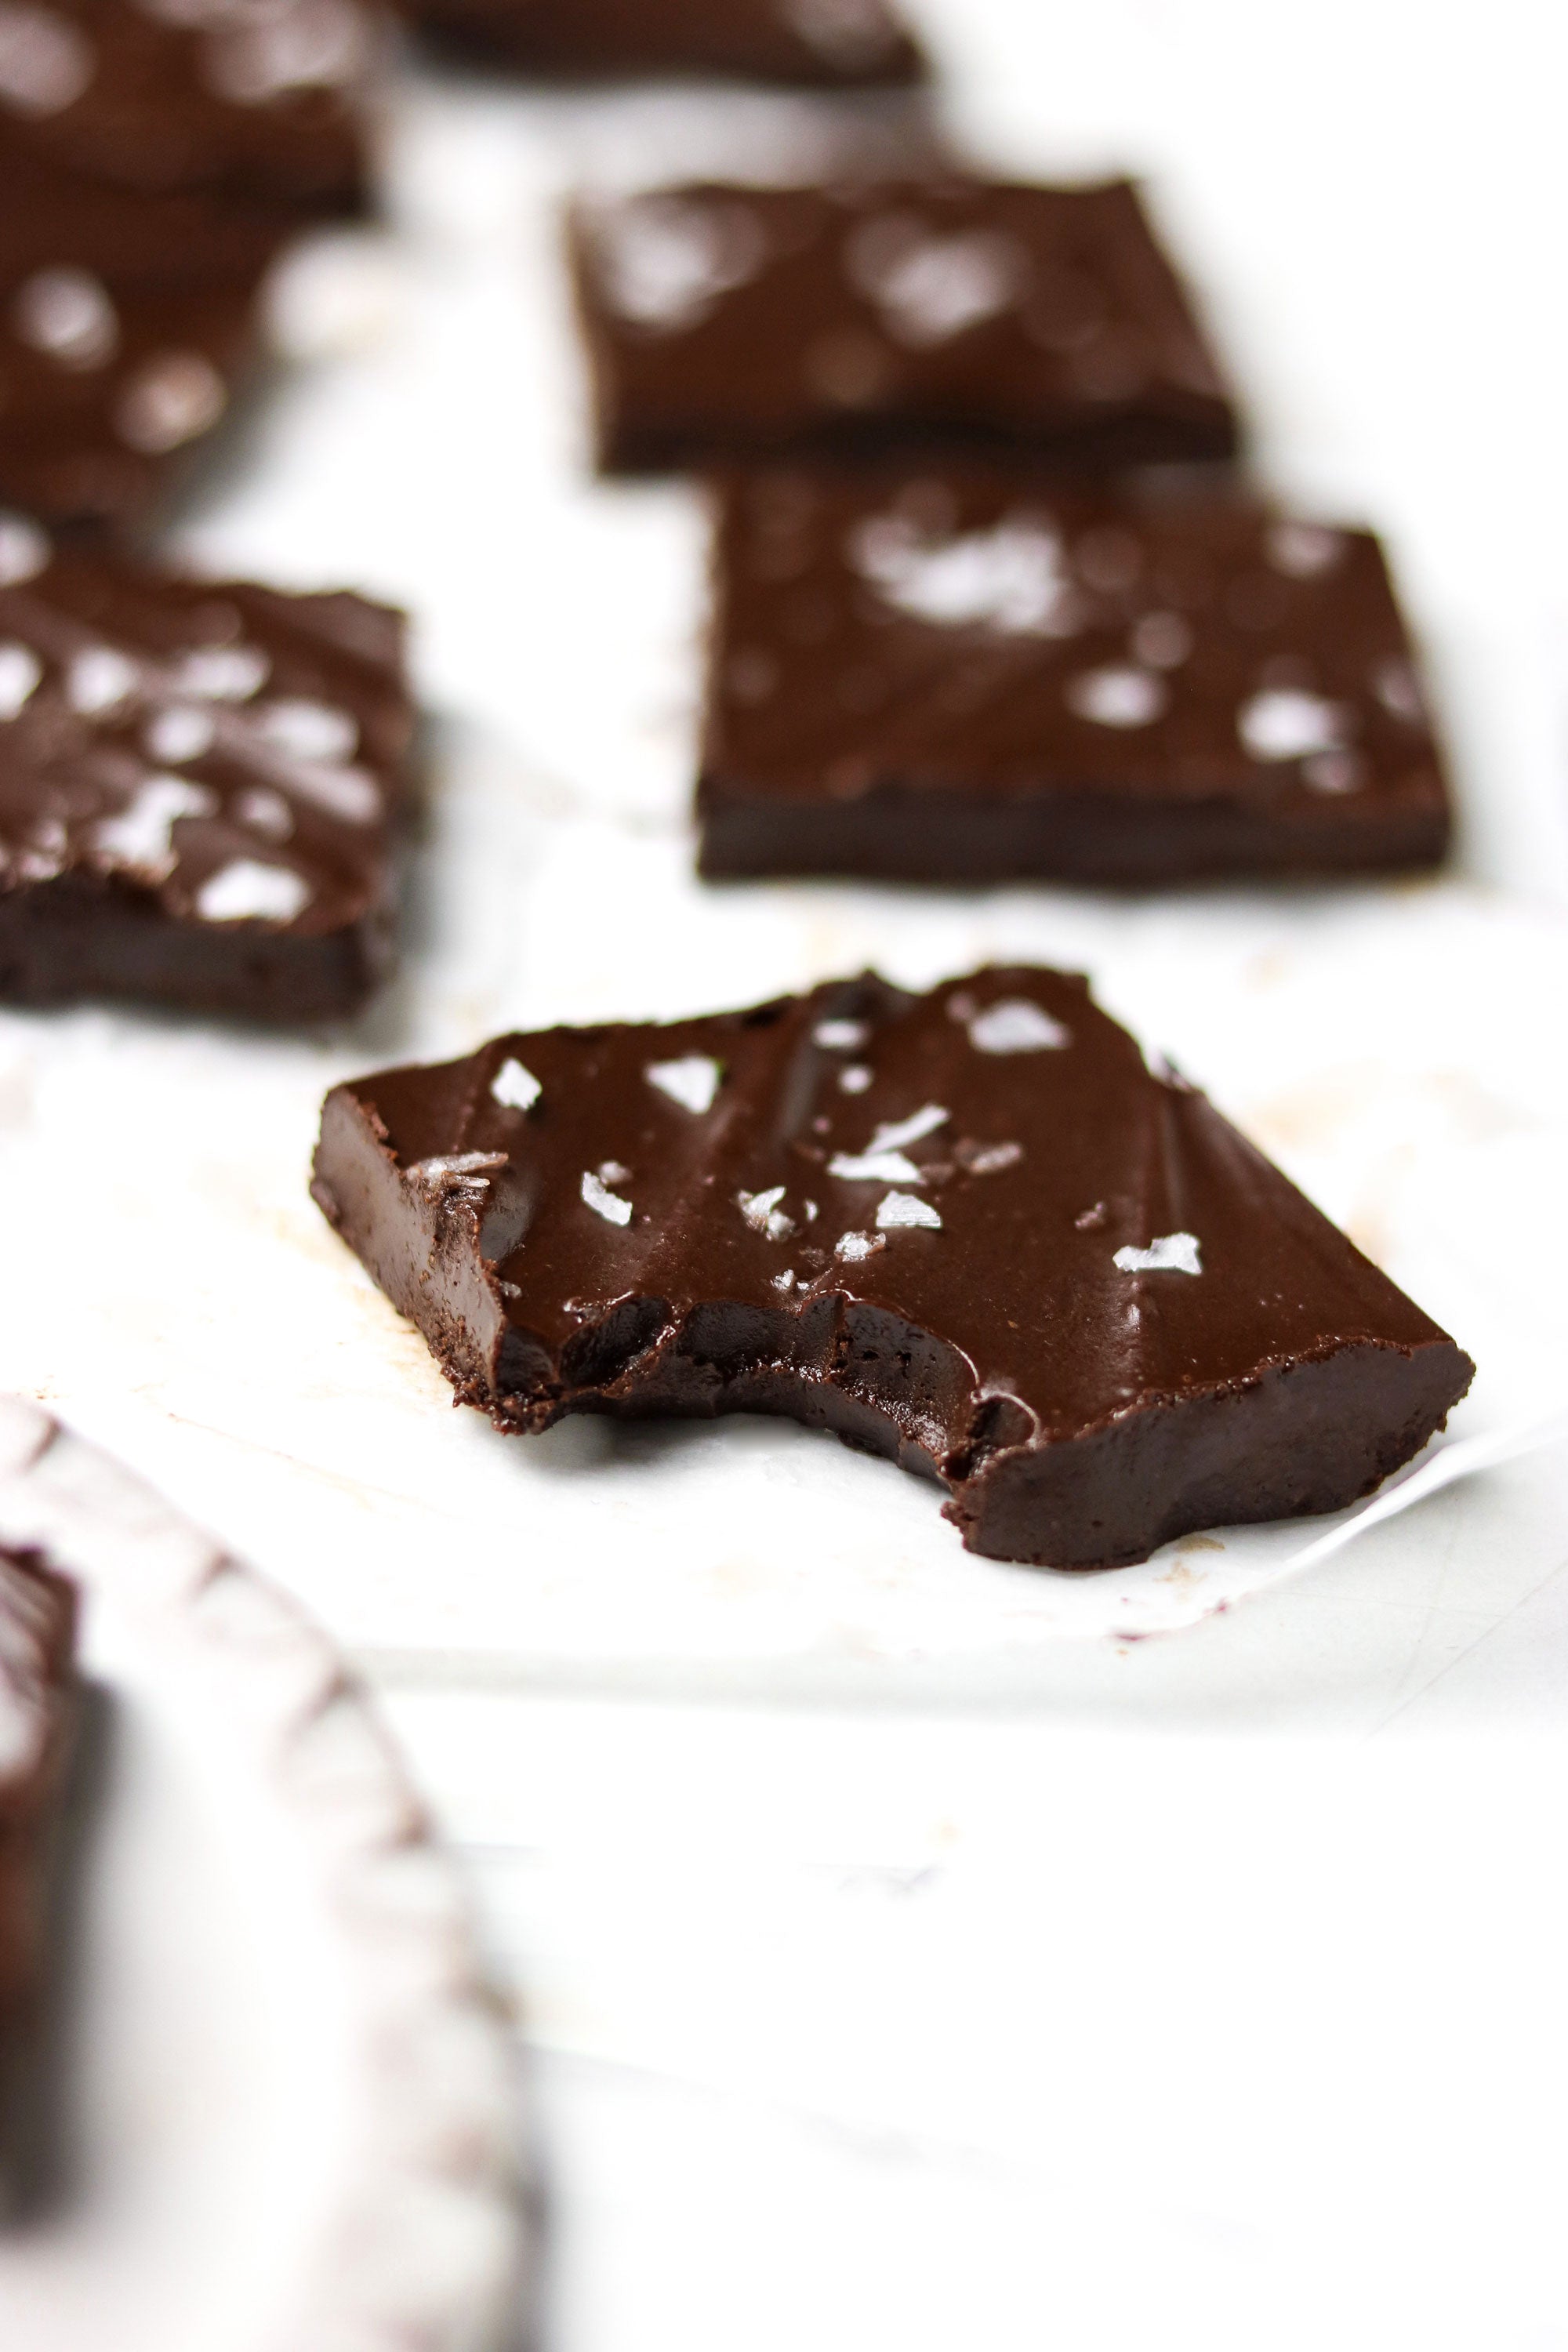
(956, 628)
(192, 93)
(125, 322)
(744, 320)
(993, 1164)
(844, 42)
(235, 753)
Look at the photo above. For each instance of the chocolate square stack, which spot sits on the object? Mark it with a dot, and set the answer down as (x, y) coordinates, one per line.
(199, 781)
(964, 631)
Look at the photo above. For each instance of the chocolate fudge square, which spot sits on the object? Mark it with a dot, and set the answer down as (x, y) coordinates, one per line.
(200, 784)
(971, 678)
(972, 1231)
(748, 323)
(264, 102)
(38, 1715)
(829, 43)
(128, 321)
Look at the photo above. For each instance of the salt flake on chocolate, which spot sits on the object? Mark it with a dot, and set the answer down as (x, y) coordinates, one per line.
(1284, 723)
(763, 1214)
(855, 1246)
(1304, 550)
(246, 891)
(515, 1087)
(1017, 1024)
(24, 550)
(20, 671)
(1012, 578)
(692, 1081)
(893, 1133)
(989, 1158)
(1172, 1254)
(1117, 698)
(140, 838)
(883, 1162)
(179, 733)
(67, 314)
(100, 679)
(460, 1175)
(667, 260)
(840, 1036)
(46, 61)
(602, 1201)
(899, 1209)
(929, 288)
(222, 673)
(308, 731)
(169, 400)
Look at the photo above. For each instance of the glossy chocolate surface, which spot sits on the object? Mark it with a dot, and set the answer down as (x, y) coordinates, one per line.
(259, 101)
(37, 1627)
(735, 322)
(961, 677)
(200, 784)
(972, 1229)
(827, 42)
(127, 323)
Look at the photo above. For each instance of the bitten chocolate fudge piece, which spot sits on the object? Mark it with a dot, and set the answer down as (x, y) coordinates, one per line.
(825, 42)
(965, 679)
(193, 93)
(199, 787)
(126, 322)
(37, 1628)
(734, 322)
(969, 1230)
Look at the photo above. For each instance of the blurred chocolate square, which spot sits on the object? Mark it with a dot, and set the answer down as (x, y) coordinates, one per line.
(967, 676)
(953, 315)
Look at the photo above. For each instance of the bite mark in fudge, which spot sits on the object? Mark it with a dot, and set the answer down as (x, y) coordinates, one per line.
(1015, 1259)
(729, 322)
(200, 786)
(38, 1626)
(965, 677)
(193, 93)
(825, 42)
(128, 321)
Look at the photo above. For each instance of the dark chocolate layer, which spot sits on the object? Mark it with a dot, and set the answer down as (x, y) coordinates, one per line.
(971, 1230)
(737, 322)
(193, 94)
(825, 42)
(958, 677)
(200, 784)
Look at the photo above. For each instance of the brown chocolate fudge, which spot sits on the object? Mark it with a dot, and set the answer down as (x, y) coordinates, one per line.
(127, 321)
(965, 677)
(823, 42)
(971, 1230)
(729, 322)
(37, 1629)
(259, 101)
(200, 784)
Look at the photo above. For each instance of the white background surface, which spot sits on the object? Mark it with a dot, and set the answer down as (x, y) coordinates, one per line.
(897, 1972)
